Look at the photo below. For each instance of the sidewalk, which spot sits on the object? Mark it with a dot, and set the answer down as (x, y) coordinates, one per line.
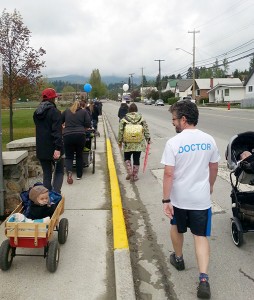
(90, 267)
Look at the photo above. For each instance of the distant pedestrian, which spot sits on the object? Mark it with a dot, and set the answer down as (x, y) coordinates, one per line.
(95, 114)
(76, 121)
(49, 140)
(133, 148)
(123, 110)
(191, 165)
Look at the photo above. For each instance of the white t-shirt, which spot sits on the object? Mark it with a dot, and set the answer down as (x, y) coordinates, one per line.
(190, 152)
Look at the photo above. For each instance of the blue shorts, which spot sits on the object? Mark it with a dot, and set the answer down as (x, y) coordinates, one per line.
(199, 221)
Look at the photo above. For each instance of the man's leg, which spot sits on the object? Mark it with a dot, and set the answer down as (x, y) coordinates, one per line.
(177, 240)
(176, 258)
(47, 173)
(202, 249)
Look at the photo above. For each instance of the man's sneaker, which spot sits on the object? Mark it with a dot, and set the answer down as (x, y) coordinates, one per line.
(69, 178)
(204, 290)
(178, 264)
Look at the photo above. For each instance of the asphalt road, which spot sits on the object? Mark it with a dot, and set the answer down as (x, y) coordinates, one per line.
(231, 268)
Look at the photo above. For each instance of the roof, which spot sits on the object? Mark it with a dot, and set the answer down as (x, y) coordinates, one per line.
(172, 82)
(249, 77)
(184, 84)
(204, 83)
(232, 86)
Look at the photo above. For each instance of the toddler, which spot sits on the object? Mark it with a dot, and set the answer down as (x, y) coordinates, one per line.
(40, 206)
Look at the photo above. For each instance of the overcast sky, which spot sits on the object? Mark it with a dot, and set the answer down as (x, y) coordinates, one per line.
(122, 37)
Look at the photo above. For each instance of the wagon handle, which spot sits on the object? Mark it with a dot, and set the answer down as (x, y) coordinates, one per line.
(36, 235)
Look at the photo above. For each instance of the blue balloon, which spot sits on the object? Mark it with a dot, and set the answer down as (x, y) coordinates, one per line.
(87, 87)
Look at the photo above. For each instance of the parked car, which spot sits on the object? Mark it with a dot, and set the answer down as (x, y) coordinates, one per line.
(159, 102)
(187, 98)
(148, 102)
(145, 99)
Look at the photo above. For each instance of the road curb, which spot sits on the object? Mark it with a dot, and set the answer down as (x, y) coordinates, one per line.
(123, 271)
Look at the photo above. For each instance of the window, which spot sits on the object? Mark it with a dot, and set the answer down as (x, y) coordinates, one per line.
(226, 92)
(198, 92)
(250, 88)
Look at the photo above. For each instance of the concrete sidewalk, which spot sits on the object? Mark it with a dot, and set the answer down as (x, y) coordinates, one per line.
(89, 266)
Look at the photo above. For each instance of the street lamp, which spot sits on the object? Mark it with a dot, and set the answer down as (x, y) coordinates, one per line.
(159, 60)
(193, 71)
(193, 55)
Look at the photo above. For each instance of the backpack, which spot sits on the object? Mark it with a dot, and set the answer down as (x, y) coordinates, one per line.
(133, 132)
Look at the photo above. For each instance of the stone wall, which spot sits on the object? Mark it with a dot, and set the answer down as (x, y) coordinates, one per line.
(33, 164)
(21, 169)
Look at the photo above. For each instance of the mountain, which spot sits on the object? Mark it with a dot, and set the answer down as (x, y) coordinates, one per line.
(106, 79)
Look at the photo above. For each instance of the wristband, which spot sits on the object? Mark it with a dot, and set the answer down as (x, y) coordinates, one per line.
(166, 201)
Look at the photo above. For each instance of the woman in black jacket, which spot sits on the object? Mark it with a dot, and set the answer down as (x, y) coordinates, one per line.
(75, 120)
(49, 141)
(123, 110)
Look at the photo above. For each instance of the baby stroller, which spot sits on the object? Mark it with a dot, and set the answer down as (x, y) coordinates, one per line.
(243, 171)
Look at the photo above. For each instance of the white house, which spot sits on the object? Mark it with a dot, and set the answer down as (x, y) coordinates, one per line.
(226, 90)
(183, 88)
(249, 86)
(248, 100)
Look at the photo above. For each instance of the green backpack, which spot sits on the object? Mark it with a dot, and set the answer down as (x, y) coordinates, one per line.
(133, 132)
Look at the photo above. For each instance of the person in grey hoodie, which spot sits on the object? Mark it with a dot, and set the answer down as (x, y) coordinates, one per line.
(49, 140)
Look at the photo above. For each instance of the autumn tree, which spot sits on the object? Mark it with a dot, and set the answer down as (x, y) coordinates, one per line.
(21, 63)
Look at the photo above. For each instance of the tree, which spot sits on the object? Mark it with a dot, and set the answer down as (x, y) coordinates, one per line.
(251, 63)
(225, 66)
(189, 74)
(21, 63)
(98, 87)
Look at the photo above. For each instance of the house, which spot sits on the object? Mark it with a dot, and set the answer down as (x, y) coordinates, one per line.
(183, 88)
(248, 100)
(226, 90)
(171, 85)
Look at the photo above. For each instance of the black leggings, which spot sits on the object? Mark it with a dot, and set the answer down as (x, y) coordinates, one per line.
(136, 157)
(74, 143)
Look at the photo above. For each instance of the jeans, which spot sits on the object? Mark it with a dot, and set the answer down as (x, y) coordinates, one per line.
(47, 168)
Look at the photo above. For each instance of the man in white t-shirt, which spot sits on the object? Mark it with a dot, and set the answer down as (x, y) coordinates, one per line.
(191, 165)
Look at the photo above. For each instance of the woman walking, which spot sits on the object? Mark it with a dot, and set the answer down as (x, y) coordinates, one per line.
(76, 121)
(133, 146)
(123, 110)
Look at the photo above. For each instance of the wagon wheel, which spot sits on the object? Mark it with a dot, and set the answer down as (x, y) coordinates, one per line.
(63, 230)
(93, 154)
(53, 256)
(237, 235)
(6, 255)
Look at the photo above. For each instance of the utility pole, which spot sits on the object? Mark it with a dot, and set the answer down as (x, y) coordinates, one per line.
(142, 83)
(193, 53)
(131, 81)
(159, 60)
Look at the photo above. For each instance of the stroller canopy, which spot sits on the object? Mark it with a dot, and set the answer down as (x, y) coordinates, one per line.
(237, 145)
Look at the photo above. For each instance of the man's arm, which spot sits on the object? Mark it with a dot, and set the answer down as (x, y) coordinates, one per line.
(167, 187)
(213, 171)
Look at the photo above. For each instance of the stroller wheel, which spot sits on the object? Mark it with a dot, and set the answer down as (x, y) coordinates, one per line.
(237, 235)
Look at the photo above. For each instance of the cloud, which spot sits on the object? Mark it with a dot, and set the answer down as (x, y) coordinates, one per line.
(120, 37)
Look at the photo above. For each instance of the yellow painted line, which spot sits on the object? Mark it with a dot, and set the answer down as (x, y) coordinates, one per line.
(119, 228)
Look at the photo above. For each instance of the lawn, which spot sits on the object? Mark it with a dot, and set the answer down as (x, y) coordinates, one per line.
(23, 125)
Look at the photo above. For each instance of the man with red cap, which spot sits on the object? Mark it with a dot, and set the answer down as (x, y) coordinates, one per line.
(49, 141)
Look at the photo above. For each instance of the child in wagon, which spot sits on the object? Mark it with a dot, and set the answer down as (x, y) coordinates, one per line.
(40, 206)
